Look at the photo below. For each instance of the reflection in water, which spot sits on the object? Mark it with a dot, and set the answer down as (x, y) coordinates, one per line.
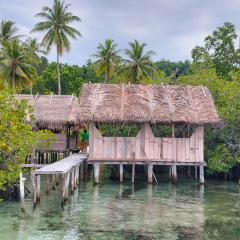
(123, 211)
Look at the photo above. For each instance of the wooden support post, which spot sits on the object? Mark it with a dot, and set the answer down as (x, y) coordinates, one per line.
(201, 174)
(47, 183)
(76, 169)
(150, 172)
(22, 194)
(121, 172)
(82, 171)
(196, 172)
(133, 173)
(170, 172)
(65, 186)
(53, 182)
(96, 172)
(173, 131)
(33, 176)
(72, 180)
(57, 180)
(189, 172)
(174, 173)
(38, 186)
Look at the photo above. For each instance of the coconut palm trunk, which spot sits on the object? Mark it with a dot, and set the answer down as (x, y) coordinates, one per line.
(14, 79)
(58, 74)
(106, 76)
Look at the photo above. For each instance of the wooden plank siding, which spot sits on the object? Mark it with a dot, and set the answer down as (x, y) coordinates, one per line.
(146, 147)
(60, 143)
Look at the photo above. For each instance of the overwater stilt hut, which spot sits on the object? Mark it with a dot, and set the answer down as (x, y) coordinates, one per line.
(57, 113)
(147, 105)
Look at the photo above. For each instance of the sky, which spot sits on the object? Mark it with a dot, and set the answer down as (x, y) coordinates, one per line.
(169, 27)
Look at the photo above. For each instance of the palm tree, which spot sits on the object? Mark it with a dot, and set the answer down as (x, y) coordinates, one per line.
(138, 63)
(14, 64)
(56, 25)
(107, 58)
(8, 31)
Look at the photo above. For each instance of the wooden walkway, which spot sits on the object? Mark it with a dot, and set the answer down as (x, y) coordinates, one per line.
(68, 168)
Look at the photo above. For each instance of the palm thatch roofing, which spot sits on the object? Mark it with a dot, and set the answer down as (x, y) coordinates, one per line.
(138, 103)
(53, 112)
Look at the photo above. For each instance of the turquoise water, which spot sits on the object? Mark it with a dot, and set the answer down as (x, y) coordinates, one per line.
(114, 211)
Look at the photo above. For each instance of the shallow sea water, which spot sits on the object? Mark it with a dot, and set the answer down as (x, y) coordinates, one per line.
(121, 211)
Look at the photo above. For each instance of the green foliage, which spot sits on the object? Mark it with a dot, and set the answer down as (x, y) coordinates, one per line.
(226, 96)
(15, 65)
(219, 51)
(17, 139)
(56, 26)
(170, 68)
(138, 65)
(220, 159)
(8, 31)
(119, 130)
(107, 59)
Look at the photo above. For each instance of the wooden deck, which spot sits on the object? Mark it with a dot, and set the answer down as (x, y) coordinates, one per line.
(68, 168)
(63, 166)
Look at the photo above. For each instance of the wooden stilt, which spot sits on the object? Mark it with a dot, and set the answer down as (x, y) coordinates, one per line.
(121, 172)
(22, 194)
(76, 169)
(81, 171)
(189, 172)
(196, 172)
(72, 180)
(133, 173)
(57, 179)
(174, 173)
(38, 186)
(96, 172)
(150, 172)
(201, 174)
(33, 176)
(65, 185)
(170, 172)
(47, 183)
(53, 181)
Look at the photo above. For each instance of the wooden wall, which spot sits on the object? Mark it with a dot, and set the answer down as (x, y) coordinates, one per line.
(60, 144)
(145, 147)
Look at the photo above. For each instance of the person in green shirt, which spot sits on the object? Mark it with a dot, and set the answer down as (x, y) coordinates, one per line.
(85, 139)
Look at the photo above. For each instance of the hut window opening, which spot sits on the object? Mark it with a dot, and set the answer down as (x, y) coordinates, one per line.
(119, 130)
(166, 130)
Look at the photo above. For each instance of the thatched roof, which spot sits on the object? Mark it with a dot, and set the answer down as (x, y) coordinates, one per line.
(53, 112)
(137, 103)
